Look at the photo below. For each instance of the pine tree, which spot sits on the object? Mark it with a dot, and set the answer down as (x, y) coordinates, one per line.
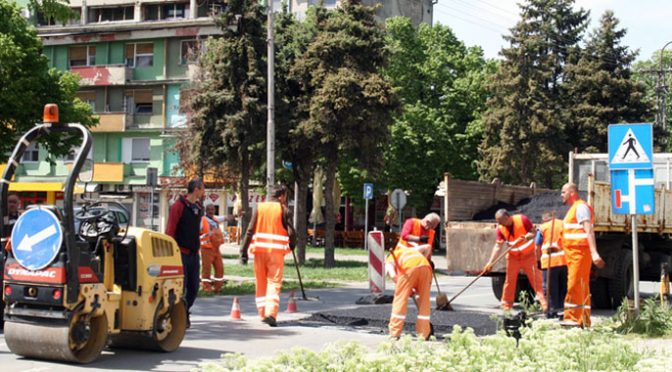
(228, 105)
(524, 138)
(601, 89)
(349, 103)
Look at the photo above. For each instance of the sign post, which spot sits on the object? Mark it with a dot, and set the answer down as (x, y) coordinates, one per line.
(376, 262)
(399, 202)
(632, 181)
(152, 177)
(368, 194)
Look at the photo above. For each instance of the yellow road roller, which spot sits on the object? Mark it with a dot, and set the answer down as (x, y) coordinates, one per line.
(76, 281)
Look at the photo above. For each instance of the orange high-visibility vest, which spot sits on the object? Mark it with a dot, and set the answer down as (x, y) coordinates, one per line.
(205, 233)
(406, 259)
(417, 231)
(557, 256)
(523, 247)
(210, 236)
(270, 236)
(573, 234)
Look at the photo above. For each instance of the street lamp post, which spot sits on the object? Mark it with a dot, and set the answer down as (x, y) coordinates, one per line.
(270, 127)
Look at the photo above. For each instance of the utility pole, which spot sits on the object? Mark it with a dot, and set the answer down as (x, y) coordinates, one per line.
(662, 92)
(270, 127)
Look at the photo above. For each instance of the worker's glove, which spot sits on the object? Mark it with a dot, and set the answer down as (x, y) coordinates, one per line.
(424, 239)
(487, 268)
(431, 263)
(243, 259)
(292, 247)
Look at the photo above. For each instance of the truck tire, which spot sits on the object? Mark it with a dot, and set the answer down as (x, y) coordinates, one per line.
(620, 286)
(599, 294)
(498, 286)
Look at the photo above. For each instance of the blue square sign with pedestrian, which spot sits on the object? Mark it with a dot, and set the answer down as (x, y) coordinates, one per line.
(630, 146)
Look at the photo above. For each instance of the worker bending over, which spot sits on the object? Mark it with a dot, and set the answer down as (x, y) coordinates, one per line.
(270, 236)
(580, 253)
(549, 245)
(420, 232)
(517, 232)
(409, 267)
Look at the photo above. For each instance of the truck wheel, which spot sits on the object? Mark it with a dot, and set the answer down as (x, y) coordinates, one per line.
(498, 286)
(620, 286)
(599, 293)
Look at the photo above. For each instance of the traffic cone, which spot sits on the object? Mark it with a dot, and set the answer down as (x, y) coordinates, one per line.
(291, 305)
(235, 309)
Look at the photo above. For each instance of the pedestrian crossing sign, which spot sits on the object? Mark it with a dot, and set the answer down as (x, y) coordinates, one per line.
(630, 146)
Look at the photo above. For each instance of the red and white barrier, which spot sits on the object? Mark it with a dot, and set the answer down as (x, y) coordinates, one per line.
(376, 245)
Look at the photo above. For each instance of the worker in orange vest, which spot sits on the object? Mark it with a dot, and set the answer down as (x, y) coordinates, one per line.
(420, 232)
(409, 268)
(580, 252)
(270, 236)
(549, 248)
(518, 231)
(211, 239)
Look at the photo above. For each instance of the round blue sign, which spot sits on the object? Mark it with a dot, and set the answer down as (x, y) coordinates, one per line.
(36, 238)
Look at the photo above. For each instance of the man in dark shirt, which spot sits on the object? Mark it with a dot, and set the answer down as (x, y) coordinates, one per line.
(184, 226)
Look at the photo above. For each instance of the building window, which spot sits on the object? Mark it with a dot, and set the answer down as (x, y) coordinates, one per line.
(121, 13)
(88, 97)
(83, 55)
(140, 55)
(140, 150)
(70, 157)
(32, 154)
(174, 10)
(188, 51)
(44, 20)
(140, 102)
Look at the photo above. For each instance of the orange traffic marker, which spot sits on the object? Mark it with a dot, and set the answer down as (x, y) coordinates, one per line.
(291, 305)
(235, 309)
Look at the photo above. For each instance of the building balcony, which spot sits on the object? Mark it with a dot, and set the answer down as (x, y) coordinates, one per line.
(110, 122)
(144, 121)
(103, 75)
(108, 172)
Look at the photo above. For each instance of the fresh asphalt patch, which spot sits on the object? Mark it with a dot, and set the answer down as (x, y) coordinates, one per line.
(374, 319)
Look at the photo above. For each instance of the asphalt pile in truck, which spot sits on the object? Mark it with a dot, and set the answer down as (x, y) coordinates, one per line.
(533, 207)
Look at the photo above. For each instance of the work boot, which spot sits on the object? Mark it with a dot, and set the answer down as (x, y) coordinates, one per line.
(270, 321)
(188, 320)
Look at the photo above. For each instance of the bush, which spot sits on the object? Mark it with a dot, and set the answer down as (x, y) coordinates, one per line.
(543, 347)
(654, 320)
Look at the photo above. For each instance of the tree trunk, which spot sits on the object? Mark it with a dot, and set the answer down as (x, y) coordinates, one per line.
(244, 190)
(301, 222)
(330, 218)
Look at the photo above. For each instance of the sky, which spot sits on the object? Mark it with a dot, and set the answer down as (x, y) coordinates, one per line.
(483, 22)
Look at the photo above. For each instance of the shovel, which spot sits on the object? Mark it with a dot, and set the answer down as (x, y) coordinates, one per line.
(298, 273)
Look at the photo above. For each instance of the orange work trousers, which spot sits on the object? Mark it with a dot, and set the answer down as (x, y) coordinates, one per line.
(577, 301)
(527, 263)
(418, 279)
(268, 268)
(211, 257)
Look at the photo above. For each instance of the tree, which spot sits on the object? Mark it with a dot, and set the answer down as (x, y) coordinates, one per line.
(442, 85)
(350, 104)
(524, 135)
(27, 84)
(601, 89)
(229, 103)
(292, 101)
(646, 72)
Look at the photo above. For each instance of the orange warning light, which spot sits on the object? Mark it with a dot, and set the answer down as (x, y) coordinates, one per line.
(50, 113)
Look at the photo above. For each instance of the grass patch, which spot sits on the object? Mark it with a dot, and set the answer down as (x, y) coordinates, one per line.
(234, 288)
(313, 270)
(343, 251)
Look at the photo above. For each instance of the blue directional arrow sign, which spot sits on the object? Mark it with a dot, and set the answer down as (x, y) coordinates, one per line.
(630, 146)
(632, 191)
(36, 238)
(368, 191)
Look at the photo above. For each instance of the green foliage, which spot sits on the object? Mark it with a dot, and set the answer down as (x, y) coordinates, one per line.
(57, 10)
(600, 88)
(349, 104)
(441, 84)
(27, 84)
(654, 320)
(543, 347)
(524, 135)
